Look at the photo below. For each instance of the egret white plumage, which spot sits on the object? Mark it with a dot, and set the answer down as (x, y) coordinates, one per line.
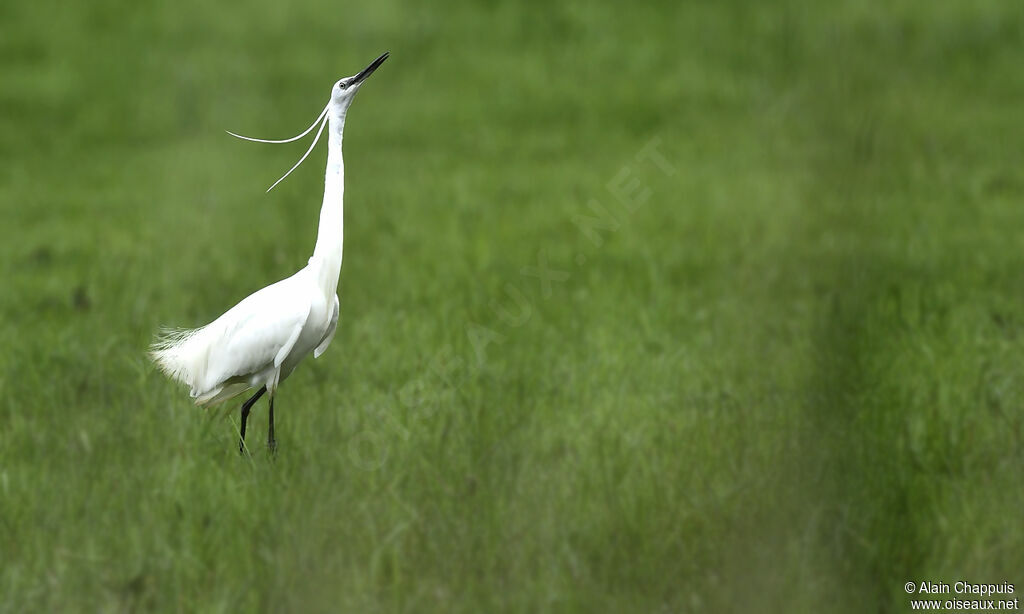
(259, 342)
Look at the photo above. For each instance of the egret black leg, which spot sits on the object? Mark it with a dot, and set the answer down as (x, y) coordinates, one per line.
(245, 415)
(271, 442)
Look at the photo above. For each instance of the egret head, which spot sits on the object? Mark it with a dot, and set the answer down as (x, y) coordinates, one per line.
(345, 89)
(341, 97)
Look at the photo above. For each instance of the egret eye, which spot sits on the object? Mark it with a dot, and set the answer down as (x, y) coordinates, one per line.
(341, 84)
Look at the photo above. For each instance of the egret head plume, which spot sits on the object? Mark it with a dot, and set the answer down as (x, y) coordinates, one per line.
(341, 97)
(321, 121)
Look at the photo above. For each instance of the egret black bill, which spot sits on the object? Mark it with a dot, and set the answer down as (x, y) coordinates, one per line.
(366, 72)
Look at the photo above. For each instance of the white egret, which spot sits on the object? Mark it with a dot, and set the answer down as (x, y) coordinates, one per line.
(258, 342)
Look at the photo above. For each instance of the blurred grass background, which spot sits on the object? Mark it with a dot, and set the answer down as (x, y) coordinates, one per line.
(789, 382)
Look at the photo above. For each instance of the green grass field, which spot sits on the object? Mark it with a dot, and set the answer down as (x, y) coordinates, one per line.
(773, 363)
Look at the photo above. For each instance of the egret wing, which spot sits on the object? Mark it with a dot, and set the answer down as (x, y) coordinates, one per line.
(257, 333)
(332, 327)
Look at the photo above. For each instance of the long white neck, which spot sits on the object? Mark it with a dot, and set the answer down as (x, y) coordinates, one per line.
(326, 260)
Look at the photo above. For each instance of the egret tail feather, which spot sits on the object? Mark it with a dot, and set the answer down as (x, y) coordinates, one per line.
(182, 355)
